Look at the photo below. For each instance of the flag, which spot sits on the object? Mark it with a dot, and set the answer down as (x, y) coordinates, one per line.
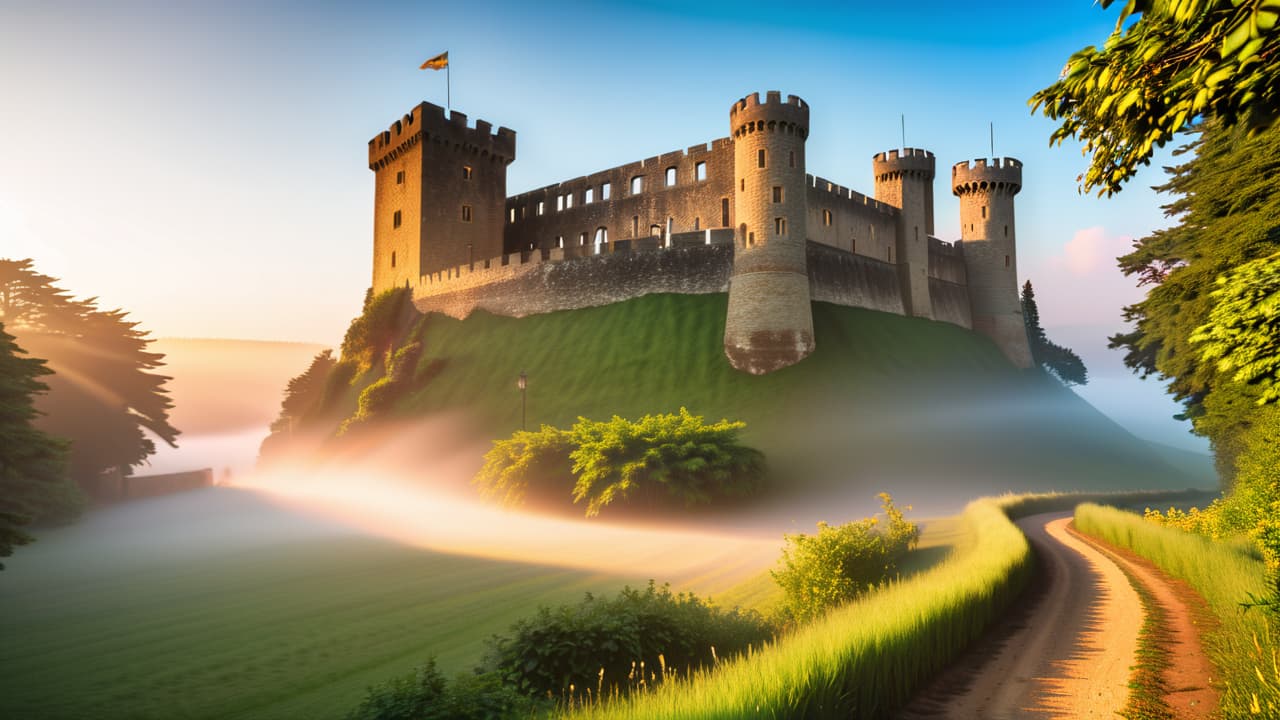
(438, 62)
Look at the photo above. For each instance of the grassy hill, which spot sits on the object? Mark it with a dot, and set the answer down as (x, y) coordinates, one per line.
(927, 410)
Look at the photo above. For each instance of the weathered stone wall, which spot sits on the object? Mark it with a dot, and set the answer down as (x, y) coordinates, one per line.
(950, 302)
(840, 277)
(569, 214)
(946, 262)
(856, 223)
(534, 286)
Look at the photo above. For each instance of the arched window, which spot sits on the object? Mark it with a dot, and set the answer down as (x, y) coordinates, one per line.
(826, 218)
(655, 231)
(602, 238)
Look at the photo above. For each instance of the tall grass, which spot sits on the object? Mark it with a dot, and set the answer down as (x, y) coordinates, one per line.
(1244, 647)
(866, 659)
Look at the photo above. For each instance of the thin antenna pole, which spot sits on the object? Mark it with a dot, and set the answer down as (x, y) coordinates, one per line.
(904, 130)
(993, 139)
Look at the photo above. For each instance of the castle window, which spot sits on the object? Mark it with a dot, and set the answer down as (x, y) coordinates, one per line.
(559, 203)
(602, 238)
(917, 229)
(635, 226)
(792, 158)
(742, 184)
(700, 172)
(724, 212)
(568, 200)
(655, 231)
(670, 221)
(400, 177)
(542, 206)
(760, 158)
(466, 172)
(395, 220)
(590, 196)
(888, 253)
(512, 215)
(393, 258)
(780, 226)
(671, 177)
(466, 213)
(637, 185)
(582, 240)
(777, 193)
(1006, 261)
(697, 223)
(751, 238)
(1006, 231)
(523, 209)
(984, 212)
(606, 191)
(853, 245)
(826, 218)
(560, 241)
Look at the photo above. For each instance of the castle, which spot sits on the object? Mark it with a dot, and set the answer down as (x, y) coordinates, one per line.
(738, 214)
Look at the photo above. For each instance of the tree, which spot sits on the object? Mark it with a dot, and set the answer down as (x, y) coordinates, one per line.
(101, 396)
(1059, 360)
(1167, 65)
(33, 480)
(1227, 204)
(1243, 332)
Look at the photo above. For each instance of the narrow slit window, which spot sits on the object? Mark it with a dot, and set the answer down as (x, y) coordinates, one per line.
(760, 158)
(742, 184)
(780, 226)
(697, 223)
(395, 220)
(984, 212)
(582, 240)
(400, 177)
(635, 226)
(559, 241)
(724, 212)
(791, 158)
(542, 206)
(777, 193)
(512, 215)
(917, 229)
(1006, 261)
(393, 258)
(751, 238)
(1006, 231)
(826, 218)
(853, 245)
(559, 203)
(466, 213)
(700, 172)
(466, 172)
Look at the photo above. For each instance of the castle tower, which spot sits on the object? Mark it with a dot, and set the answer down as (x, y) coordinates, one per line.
(769, 324)
(904, 179)
(988, 243)
(439, 192)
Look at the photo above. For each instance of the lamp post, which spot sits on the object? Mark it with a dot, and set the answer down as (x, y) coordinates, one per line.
(523, 383)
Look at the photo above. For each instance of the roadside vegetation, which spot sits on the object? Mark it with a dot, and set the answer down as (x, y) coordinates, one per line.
(1227, 574)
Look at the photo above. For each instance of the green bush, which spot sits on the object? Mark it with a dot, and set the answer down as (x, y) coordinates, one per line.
(651, 461)
(379, 396)
(823, 571)
(426, 695)
(371, 335)
(614, 645)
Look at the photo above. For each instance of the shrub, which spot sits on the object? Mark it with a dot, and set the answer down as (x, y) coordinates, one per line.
(378, 398)
(636, 639)
(656, 459)
(823, 571)
(426, 695)
(372, 334)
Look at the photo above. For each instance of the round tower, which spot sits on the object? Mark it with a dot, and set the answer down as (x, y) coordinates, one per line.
(988, 243)
(904, 179)
(769, 324)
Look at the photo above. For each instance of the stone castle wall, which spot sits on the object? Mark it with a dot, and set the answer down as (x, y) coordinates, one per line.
(850, 221)
(629, 202)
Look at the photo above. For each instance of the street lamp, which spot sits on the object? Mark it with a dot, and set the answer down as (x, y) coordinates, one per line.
(523, 383)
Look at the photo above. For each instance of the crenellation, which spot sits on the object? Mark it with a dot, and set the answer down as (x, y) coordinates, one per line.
(756, 225)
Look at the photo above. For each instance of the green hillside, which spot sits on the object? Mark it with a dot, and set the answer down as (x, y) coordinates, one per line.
(927, 410)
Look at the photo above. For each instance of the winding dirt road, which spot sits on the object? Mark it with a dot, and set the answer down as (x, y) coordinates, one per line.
(1067, 649)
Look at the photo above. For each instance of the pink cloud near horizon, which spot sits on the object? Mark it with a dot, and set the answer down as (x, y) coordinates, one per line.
(1080, 284)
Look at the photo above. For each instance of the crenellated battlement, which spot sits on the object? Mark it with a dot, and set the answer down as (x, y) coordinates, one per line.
(995, 175)
(749, 115)
(428, 122)
(852, 196)
(908, 162)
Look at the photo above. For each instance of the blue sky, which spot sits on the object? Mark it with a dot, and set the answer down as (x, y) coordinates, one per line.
(203, 165)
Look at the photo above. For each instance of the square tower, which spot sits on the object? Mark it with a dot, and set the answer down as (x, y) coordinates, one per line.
(439, 191)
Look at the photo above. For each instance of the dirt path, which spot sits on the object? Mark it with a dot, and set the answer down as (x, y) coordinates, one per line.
(1064, 653)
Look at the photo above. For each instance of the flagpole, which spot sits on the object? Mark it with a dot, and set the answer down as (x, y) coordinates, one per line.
(448, 87)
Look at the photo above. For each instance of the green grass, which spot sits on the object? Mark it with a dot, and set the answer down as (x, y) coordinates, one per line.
(1244, 647)
(217, 605)
(884, 403)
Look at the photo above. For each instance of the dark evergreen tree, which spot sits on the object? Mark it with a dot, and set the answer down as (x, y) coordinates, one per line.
(102, 395)
(1059, 360)
(33, 480)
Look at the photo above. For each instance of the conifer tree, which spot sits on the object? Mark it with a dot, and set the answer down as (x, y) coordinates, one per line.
(1059, 360)
(33, 480)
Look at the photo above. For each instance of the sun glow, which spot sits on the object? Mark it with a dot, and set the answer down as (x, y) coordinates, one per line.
(428, 503)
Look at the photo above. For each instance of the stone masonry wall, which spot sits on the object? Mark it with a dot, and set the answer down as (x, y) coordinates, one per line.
(546, 217)
(856, 223)
(843, 278)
